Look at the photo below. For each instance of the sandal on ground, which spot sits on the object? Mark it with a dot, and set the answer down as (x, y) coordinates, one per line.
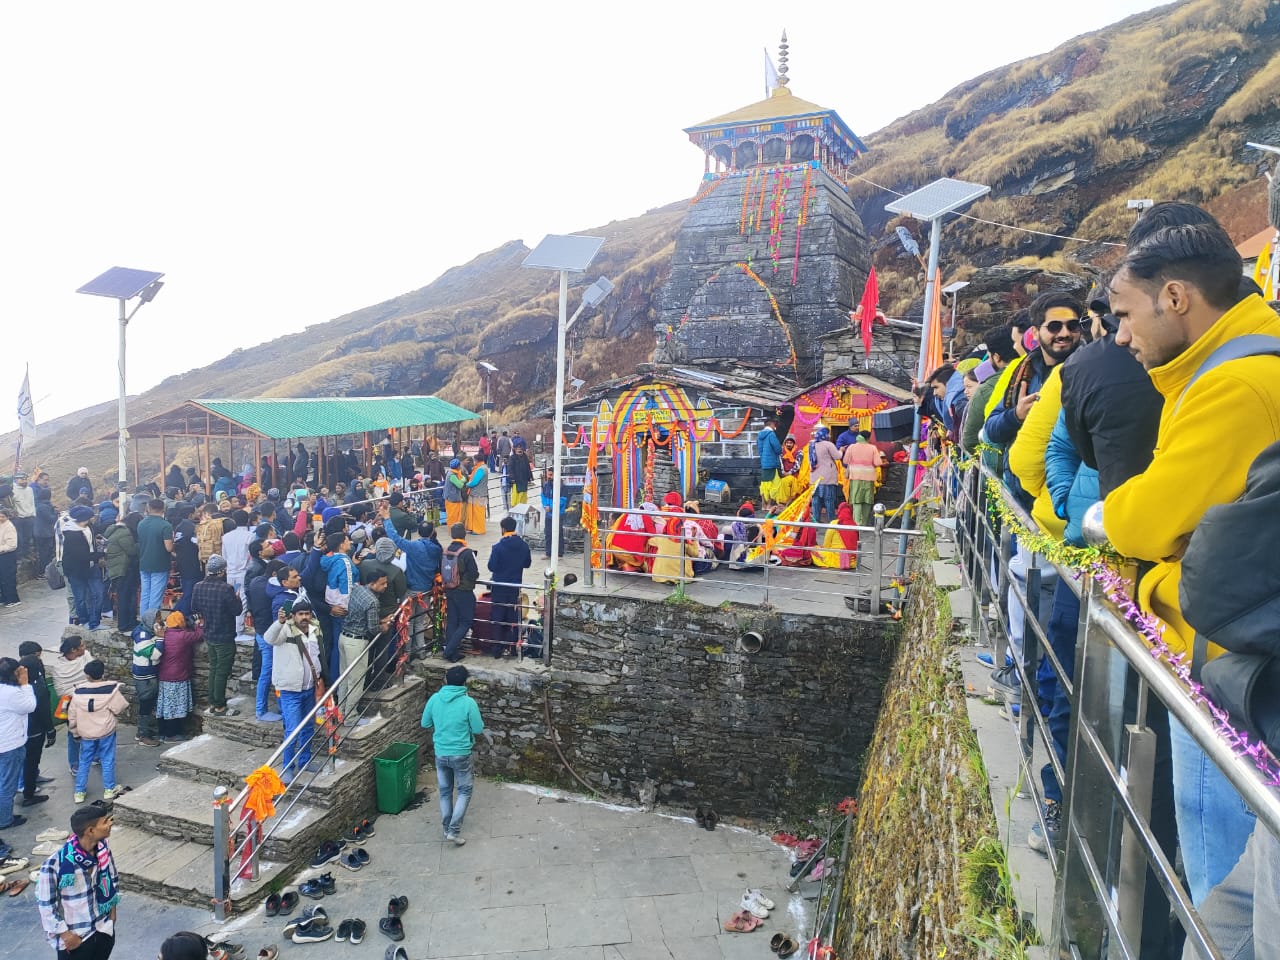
(269, 953)
(272, 905)
(288, 903)
(777, 941)
(397, 906)
(742, 922)
(392, 927)
(395, 953)
(4, 885)
(788, 947)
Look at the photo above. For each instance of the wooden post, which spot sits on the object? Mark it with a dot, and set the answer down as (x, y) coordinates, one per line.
(257, 460)
(164, 463)
(208, 464)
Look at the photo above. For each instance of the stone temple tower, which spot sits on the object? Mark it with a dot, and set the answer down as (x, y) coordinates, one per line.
(772, 253)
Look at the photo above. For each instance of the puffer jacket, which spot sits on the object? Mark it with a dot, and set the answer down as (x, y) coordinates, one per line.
(122, 550)
(290, 670)
(1027, 454)
(95, 705)
(1073, 485)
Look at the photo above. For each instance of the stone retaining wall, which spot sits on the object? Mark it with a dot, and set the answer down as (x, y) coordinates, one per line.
(652, 700)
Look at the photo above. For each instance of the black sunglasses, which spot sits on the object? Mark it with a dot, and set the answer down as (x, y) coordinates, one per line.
(1054, 326)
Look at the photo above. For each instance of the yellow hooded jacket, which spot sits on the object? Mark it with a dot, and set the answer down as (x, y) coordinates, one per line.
(1201, 458)
(1026, 456)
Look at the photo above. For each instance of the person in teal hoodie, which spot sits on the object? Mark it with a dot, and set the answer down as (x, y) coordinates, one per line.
(455, 720)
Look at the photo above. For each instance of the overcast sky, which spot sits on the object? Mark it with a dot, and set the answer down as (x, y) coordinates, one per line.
(284, 163)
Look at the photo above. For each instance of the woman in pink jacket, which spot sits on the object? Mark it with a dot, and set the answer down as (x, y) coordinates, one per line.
(177, 667)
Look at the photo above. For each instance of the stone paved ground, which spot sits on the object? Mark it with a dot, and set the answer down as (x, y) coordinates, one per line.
(543, 875)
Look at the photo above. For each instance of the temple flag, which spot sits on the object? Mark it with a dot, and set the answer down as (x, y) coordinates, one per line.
(934, 355)
(770, 75)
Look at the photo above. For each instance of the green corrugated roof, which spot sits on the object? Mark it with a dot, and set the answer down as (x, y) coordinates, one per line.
(284, 419)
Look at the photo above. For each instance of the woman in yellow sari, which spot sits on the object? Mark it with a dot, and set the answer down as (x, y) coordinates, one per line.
(477, 495)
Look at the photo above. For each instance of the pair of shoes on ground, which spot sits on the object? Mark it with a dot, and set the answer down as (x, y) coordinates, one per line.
(1040, 840)
(281, 904)
(35, 798)
(222, 712)
(455, 837)
(360, 832)
(311, 927)
(352, 929)
(107, 795)
(707, 819)
(269, 717)
(356, 859)
(756, 903)
(317, 887)
(393, 923)
(783, 945)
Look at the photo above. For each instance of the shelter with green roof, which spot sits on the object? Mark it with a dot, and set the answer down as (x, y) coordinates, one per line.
(263, 424)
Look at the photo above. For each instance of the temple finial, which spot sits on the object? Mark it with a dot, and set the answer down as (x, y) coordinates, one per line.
(783, 79)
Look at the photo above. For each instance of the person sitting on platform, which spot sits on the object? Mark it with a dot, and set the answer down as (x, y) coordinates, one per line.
(671, 556)
(839, 542)
(707, 535)
(627, 544)
(740, 536)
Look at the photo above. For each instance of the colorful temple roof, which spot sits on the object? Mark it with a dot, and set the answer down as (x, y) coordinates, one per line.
(781, 115)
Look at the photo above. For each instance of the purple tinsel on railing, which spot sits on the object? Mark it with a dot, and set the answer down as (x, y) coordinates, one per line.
(1117, 590)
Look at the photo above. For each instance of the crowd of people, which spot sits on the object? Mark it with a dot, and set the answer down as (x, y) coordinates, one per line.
(1154, 398)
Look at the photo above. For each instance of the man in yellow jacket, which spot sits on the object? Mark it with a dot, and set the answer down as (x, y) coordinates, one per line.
(1177, 298)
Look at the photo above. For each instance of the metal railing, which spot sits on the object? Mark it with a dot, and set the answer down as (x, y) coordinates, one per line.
(867, 565)
(523, 626)
(1118, 694)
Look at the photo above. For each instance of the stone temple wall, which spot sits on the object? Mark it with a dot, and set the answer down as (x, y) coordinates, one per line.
(715, 311)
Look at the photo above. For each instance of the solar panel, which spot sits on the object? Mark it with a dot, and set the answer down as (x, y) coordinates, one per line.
(564, 252)
(938, 198)
(120, 283)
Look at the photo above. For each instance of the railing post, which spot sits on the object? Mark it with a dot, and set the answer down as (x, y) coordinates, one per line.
(764, 580)
(548, 613)
(1030, 658)
(588, 571)
(877, 561)
(221, 848)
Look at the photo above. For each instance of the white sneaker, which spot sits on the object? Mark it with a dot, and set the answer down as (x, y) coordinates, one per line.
(758, 896)
(755, 907)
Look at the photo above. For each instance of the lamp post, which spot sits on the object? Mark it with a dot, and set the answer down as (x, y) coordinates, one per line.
(122, 284)
(565, 253)
(932, 203)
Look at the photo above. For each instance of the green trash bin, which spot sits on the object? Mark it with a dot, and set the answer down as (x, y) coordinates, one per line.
(396, 774)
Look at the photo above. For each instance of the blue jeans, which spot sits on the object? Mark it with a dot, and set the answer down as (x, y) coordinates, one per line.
(73, 751)
(263, 702)
(87, 592)
(1213, 822)
(1233, 912)
(335, 655)
(10, 769)
(104, 750)
(1063, 623)
(454, 772)
(188, 587)
(152, 595)
(295, 705)
(824, 502)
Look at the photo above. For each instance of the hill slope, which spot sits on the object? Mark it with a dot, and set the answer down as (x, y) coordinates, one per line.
(1158, 106)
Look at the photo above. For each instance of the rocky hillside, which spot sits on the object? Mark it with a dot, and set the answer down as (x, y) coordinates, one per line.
(1159, 105)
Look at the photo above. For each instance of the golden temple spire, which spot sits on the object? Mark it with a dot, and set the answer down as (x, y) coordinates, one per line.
(782, 61)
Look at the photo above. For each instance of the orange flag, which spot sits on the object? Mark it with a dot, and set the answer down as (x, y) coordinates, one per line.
(933, 356)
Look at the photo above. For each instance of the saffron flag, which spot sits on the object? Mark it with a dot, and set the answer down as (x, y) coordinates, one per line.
(26, 410)
(867, 309)
(933, 358)
(1262, 271)
(770, 75)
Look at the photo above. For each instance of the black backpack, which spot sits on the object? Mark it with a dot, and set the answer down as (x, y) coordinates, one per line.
(1230, 593)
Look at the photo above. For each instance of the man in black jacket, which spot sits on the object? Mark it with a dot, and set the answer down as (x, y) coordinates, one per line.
(40, 731)
(460, 600)
(218, 603)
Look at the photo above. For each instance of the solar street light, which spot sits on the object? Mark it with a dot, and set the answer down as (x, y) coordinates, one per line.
(565, 253)
(123, 284)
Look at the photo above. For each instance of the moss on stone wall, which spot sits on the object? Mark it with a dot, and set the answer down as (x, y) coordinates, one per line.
(921, 842)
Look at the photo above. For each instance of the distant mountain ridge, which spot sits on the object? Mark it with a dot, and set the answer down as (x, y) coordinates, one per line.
(1158, 105)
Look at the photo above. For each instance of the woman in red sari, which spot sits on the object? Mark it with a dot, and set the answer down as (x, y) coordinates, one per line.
(628, 541)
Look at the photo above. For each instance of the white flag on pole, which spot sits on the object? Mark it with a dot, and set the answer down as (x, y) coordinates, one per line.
(770, 75)
(26, 410)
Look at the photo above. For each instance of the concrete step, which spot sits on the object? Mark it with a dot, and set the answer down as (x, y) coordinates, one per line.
(946, 575)
(212, 760)
(387, 708)
(181, 871)
(946, 549)
(182, 810)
